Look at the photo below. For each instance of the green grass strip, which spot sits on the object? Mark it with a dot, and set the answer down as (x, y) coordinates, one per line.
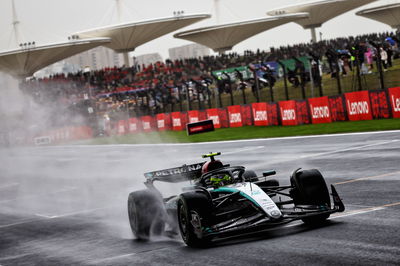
(250, 132)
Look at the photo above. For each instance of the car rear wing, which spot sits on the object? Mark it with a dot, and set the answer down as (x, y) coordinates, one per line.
(175, 175)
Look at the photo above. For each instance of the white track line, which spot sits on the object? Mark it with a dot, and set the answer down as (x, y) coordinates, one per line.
(72, 213)
(225, 141)
(349, 149)
(123, 255)
(25, 221)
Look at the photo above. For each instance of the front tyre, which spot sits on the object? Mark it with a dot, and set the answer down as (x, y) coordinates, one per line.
(310, 189)
(193, 218)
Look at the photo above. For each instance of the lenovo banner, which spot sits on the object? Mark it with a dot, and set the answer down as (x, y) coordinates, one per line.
(288, 113)
(161, 122)
(394, 96)
(121, 127)
(177, 124)
(132, 125)
(319, 108)
(235, 116)
(193, 116)
(358, 105)
(260, 114)
(146, 123)
(212, 114)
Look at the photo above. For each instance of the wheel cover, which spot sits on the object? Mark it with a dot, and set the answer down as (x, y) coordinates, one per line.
(195, 221)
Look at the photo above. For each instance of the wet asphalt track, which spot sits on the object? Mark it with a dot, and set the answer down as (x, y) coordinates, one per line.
(67, 205)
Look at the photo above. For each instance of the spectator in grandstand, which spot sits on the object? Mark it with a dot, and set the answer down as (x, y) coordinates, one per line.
(384, 57)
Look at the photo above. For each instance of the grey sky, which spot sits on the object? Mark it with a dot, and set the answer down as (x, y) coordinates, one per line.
(46, 21)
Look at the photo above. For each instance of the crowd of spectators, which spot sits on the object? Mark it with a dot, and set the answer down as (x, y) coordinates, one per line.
(139, 90)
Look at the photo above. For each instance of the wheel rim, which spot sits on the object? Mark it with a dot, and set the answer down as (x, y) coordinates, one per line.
(183, 223)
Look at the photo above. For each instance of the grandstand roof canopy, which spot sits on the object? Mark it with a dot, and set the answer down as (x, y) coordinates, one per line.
(223, 37)
(320, 11)
(25, 61)
(388, 14)
(126, 37)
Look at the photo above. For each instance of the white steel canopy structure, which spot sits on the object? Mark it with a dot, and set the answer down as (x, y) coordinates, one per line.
(388, 14)
(320, 11)
(125, 37)
(25, 61)
(223, 37)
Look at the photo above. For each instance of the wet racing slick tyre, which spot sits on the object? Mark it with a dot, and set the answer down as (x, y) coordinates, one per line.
(310, 189)
(193, 217)
(146, 213)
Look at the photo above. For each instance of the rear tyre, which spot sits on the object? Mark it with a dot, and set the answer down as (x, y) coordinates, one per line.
(310, 189)
(250, 176)
(146, 213)
(194, 218)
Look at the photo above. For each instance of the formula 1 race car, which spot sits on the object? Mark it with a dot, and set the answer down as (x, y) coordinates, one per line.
(225, 200)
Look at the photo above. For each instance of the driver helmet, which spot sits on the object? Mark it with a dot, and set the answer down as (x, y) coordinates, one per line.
(211, 165)
(221, 180)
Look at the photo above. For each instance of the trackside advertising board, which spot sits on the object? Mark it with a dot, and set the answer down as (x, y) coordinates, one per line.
(121, 127)
(177, 124)
(199, 127)
(213, 115)
(193, 116)
(260, 115)
(288, 113)
(394, 96)
(358, 105)
(161, 122)
(146, 123)
(132, 125)
(235, 116)
(319, 108)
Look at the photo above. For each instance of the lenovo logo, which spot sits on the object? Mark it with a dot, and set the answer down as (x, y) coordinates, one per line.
(357, 108)
(288, 114)
(235, 118)
(176, 122)
(396, 104)
(160, 123)
(320, 112)
(146, 125)
(193, 119)
(215, 119)
(260, 116)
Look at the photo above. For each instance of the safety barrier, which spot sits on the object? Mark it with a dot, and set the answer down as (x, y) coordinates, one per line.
(352, 106)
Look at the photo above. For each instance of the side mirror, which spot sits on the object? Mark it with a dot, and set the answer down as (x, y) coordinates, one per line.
(268, 173)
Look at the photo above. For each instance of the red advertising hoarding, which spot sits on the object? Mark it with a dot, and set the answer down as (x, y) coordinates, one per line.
(288, 113)
(319, 108)
(213, 115)
(260, 114)
(177, 124)
(161, 122)
(121, 127)
(394, 96)
(358, 105)
(146, 123)
(235, 116)
(132, 125)
(193, 116)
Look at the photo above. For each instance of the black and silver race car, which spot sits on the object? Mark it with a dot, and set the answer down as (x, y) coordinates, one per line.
(225, 200)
